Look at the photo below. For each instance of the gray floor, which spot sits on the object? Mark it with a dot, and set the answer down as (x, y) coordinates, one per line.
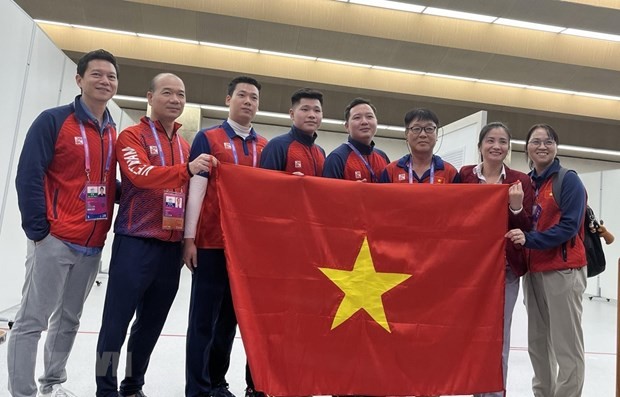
(166, 372)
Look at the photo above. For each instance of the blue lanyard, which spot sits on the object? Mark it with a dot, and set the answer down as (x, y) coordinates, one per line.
(432, 177)
(158, 142)
(87, 152)
(373, 177)
(234, 151)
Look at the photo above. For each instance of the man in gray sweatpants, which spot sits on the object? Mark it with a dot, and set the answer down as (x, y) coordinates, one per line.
(67, 166)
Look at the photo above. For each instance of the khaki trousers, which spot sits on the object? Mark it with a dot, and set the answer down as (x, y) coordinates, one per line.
(555, 338)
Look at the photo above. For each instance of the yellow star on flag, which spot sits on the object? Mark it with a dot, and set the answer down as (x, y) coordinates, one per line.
(363, 287)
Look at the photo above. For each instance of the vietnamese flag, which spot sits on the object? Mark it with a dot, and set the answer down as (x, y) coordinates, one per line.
(350, 288)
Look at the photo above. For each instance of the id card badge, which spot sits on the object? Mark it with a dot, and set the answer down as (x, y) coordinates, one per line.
(536, 210)
(96, 202)
(173, 211)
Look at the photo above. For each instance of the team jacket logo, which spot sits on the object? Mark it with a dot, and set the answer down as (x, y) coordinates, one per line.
(402, 177)
(227, 145)
(440, 180)
(153, 150)
(79, 140)
(358, 174)
(297, 164)
(134, 164)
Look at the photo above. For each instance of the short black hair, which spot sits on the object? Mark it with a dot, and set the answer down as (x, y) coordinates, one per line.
(354, 103)
(551, 134)
(306, 93)
(242, 80)
(422, 115)
(93, 55)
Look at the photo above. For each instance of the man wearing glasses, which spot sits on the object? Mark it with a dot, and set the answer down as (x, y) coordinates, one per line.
(420, 165)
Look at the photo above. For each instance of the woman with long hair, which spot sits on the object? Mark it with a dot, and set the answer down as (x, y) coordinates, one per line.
(494, 146)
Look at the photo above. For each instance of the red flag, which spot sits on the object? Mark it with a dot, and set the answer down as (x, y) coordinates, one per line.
(366, 289)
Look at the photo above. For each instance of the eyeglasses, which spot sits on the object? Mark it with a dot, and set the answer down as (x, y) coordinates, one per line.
(538, 142)
(417, 130)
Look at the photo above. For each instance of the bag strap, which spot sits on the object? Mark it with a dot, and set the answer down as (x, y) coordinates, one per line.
(556, 188)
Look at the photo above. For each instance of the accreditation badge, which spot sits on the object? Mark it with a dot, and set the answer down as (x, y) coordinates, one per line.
(173, 211)
(96, 202)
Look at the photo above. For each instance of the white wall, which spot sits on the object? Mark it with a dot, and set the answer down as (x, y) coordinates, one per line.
(603, 193)
(458, 142)
(36, 76)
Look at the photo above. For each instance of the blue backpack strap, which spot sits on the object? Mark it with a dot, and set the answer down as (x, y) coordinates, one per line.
(556, 188)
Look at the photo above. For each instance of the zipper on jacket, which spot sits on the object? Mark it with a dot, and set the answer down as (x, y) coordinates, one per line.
(172, 156)
(55, 203)
(102, 179)
(316, 171)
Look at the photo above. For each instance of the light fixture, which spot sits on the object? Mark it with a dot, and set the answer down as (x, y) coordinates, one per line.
(214, 107)
(229, 47)
(528, 25)
(52, 23)
(554, 90)
(123, 32)
(333, 121)
(352, 64)
(441, 12)
(571, 148)
(287, 55)
(380, 126)
(599, 96)
(273, 114)
(152, 36)
(355, 64)
(503, 83)
(391, 5)
(448, 76)
(588, 150)
(387, 69)
(591, 35)
(130, 98)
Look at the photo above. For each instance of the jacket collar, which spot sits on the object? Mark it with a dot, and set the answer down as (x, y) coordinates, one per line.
(302, 137)
(361, 147)
(83, 114)
(553, 168)
(404, 162)
(159, 127)
(232, 134)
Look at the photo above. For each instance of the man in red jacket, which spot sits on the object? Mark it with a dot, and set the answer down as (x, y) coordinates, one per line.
(147, 251)
(212, 321)
(67, 158)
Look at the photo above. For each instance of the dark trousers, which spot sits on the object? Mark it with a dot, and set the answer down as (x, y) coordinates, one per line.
(144, 279)
(248, 377)
(212, 325)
